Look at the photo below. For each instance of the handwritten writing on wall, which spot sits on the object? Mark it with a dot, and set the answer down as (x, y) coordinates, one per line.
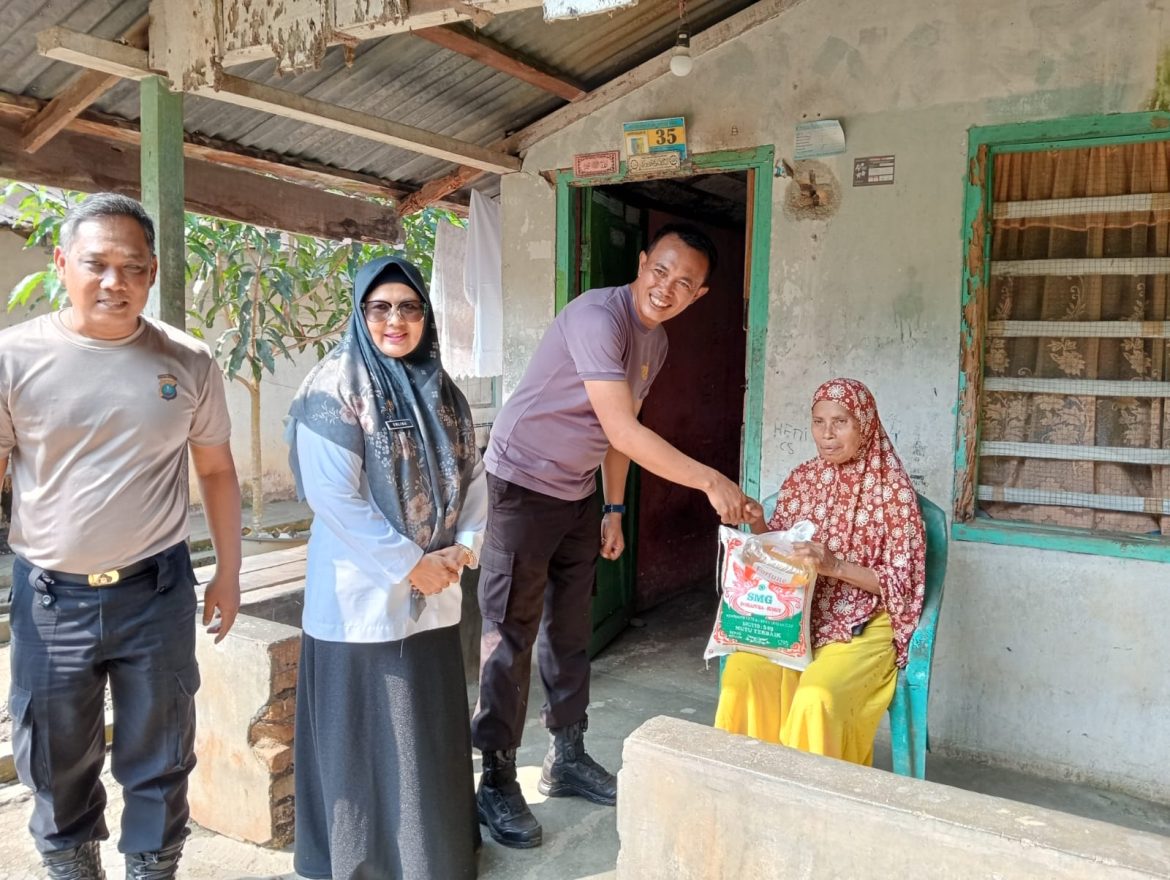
(789, 439)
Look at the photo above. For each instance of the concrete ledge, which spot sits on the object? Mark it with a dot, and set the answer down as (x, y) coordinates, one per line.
(697, 803)
(242, 785)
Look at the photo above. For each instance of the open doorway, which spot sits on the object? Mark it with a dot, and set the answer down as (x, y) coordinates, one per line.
(702, 400)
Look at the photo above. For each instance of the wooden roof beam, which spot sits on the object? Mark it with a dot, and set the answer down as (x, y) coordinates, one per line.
(438, 189)
(300, 33)
(85, 88)
(83, 162)
(488, 52)
(302, 172)
(81, 49)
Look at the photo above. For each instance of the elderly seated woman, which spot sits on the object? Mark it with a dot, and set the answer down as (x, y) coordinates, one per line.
(870, 553)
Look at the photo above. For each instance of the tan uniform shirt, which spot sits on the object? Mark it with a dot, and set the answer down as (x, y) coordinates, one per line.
(96, 437)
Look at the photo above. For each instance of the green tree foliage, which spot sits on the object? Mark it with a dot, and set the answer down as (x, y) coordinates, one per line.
(39, 212)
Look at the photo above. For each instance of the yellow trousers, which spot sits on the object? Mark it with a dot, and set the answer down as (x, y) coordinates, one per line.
(832, 708)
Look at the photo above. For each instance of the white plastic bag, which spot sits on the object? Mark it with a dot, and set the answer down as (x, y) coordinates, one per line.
(766, 604)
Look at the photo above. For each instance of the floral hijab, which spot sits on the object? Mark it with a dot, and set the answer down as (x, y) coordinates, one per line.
(404, 416)
(866, 512)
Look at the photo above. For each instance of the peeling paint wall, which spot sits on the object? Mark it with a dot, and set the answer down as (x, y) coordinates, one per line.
(1046, 661)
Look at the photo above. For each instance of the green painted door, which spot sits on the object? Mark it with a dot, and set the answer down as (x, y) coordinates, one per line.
(611, 239)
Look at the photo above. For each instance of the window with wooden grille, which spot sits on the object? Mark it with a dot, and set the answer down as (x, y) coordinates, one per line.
(1071, 392)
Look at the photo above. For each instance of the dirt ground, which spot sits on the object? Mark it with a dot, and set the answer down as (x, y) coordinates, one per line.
(207, 856)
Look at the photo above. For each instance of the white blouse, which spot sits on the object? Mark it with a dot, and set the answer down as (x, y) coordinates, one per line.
(356, 588)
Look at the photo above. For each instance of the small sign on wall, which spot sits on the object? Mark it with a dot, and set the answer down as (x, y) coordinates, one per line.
(824, 137)
(653, 163)
(596, 164)
(649, 136)
(873, 171)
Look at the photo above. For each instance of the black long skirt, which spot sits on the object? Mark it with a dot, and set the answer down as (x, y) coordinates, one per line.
(384, 782)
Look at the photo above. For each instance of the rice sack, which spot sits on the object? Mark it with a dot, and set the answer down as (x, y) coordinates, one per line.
(767, 596)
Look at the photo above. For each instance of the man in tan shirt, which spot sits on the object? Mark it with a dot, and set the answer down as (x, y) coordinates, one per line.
(99, 410)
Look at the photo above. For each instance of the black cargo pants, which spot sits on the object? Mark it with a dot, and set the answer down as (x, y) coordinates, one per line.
(67, 641)
(538, 568)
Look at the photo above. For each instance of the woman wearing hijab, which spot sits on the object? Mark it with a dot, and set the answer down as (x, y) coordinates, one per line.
(870, 554)
(383, 448)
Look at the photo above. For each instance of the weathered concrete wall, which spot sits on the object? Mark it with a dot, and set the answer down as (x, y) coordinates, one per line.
(528, 213)
(694, 802)
(1045, 660)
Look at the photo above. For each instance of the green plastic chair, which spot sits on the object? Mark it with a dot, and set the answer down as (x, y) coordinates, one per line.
(908, 730)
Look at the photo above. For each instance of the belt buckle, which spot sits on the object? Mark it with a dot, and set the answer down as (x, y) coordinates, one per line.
(104, 578)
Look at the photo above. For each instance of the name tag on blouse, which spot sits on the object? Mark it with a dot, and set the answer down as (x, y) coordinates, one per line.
(400, 424)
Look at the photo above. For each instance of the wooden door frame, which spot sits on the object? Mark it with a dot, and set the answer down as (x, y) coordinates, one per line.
(759, 163)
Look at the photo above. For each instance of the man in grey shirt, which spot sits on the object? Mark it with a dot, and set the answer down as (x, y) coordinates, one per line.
(575, 409)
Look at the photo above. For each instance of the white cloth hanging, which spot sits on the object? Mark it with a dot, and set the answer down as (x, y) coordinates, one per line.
(483, 281)
(454, 313)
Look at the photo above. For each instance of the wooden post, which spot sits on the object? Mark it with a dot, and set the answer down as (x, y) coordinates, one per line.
(162, 196)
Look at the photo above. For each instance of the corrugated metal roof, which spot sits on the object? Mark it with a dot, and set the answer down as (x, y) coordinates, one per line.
(402, 78)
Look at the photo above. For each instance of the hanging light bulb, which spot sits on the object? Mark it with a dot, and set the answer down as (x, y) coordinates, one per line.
(681, 62)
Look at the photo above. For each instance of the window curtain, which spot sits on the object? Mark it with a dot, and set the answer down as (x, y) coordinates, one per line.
(1065, 295)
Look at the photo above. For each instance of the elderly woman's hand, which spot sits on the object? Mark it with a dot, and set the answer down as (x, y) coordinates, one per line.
(826, 562)
(433, 573)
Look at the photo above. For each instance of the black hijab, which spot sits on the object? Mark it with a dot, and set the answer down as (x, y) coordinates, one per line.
(404, 416)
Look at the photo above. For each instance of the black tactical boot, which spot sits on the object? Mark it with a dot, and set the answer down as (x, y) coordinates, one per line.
(501, 803)
(569, 772)
(159, 865)
(80, 863)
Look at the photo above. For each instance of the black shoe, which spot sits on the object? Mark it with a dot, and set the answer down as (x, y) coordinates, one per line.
(159, 865)
(501, 804)
(569, 772)
(80, 863)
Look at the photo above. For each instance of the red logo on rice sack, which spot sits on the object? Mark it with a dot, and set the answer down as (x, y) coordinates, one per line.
(750, 594)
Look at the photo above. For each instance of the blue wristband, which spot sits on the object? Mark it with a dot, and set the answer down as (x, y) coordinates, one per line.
(613, 508)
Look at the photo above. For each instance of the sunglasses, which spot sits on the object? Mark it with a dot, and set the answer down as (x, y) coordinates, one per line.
(378, 312)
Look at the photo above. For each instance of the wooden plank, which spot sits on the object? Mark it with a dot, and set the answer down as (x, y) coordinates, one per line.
(1044, 497)
(161, 174)
(258, 581)
(303, 36)
(85, 88)
(1067, 452)
(261, 562)
(1094, 266)
(1078, 387)
(63, 44)
(1080, 207)
(257, 96)
(76, 48)
(1080, 329)
(1067, 540)
(220, 152)
(89, 164)
(976, 196)
(488, 52)
(438, 189)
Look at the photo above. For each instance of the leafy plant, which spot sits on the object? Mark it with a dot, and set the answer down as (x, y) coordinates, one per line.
(40, 212)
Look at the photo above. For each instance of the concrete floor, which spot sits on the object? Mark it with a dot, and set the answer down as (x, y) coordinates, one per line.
(652, 669)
